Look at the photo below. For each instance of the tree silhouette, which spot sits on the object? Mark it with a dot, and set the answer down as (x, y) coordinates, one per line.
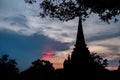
(8, 69)
(40, 70)
(99, 60)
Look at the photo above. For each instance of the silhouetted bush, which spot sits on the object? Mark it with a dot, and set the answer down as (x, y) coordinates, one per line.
(40, 70)
(8, 69)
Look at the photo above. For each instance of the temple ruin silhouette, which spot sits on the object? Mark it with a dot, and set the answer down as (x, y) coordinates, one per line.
(80, 63)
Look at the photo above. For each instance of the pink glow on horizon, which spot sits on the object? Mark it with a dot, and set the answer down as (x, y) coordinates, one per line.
(47, 54)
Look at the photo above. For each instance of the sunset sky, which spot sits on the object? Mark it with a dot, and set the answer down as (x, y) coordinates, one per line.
(26, 37)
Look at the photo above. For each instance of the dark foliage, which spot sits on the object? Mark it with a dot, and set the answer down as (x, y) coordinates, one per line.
(8, 69)
(69, 9)
(40, 70)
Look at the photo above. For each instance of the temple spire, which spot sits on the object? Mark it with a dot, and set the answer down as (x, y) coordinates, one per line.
(80, 53)
(80, 40)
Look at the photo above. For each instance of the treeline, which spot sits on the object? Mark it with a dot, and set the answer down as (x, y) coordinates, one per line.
(44, 70)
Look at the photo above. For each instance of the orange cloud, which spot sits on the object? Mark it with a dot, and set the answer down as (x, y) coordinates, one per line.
(112, 67)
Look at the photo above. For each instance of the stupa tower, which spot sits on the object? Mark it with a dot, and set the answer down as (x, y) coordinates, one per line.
(80, 54)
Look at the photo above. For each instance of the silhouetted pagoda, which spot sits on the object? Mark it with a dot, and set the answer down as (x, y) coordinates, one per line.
(80, 63)
(80, 56)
